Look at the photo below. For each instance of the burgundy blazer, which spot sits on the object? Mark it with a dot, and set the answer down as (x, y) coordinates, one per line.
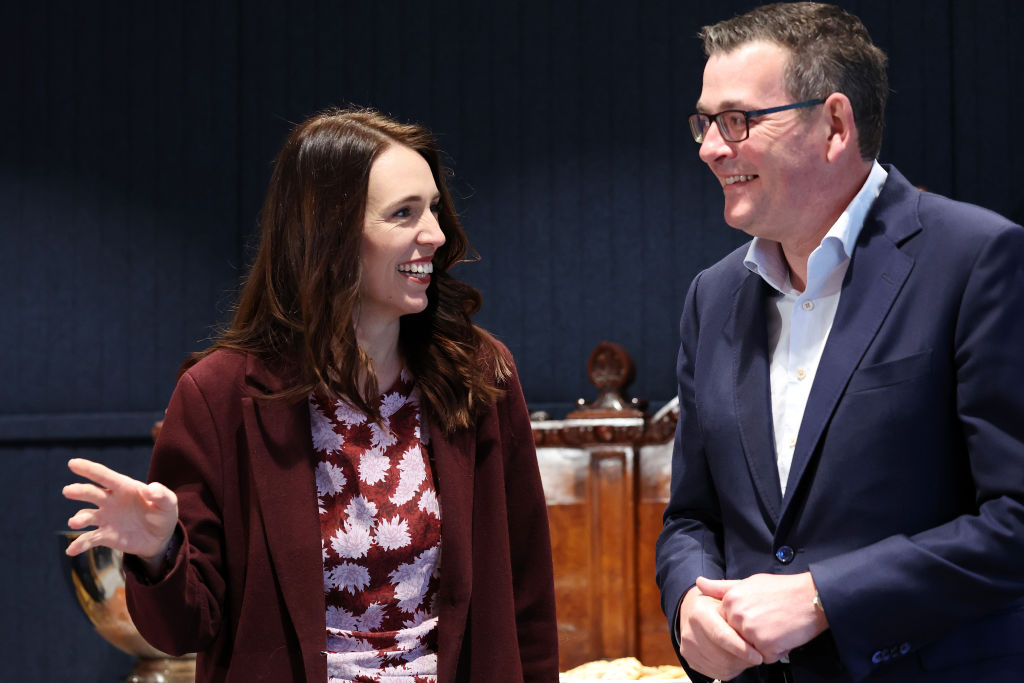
(246, 590)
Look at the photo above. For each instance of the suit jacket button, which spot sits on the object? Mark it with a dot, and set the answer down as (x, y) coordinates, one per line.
(878, 657)
(785, 554)
(904, 648)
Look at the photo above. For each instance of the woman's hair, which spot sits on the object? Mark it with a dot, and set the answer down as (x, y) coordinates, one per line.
(299, 301)
(829, 51)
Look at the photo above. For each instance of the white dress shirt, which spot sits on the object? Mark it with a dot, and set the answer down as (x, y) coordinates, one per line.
(799, 322)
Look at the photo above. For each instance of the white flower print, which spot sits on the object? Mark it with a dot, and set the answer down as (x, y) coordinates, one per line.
(410, 640)
(390, 404)
(341, 619)
(428, 503)
(373, 467)
(411, 578)
(418, 618)
(412, 474)
(353, 542)
(381, 436)
(347, 414)
(371, 619)
(348, 577)
(348, 661)
(361, 512)
(330, 479)
(374, 492)
(396, 674)
(324, 436)
(342, 640)
(392, 534)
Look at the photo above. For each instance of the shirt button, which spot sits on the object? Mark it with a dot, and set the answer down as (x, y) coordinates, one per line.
(808, 305)
(785, 554)
(801, 373)
(792, 443)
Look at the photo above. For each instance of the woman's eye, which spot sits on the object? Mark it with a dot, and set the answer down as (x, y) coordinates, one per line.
(403, 213)
(435, 208)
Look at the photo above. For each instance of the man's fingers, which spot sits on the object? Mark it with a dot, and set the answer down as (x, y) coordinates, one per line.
(715, 588)
(726, 639)
(735, 646)
(774, 656)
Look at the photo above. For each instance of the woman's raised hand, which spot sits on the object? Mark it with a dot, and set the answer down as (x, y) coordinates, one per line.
(129, 516)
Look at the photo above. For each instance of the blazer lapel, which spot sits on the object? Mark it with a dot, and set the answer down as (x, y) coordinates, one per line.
(280, 443)
(873, 281)
(454, 459)
(748, 334)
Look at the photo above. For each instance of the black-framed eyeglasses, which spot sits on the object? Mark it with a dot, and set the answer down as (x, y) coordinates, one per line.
(734, 124)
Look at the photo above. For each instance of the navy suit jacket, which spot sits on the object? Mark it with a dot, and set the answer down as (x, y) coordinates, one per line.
(906, 495)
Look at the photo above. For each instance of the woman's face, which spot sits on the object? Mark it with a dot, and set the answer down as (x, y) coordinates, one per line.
(400, 235)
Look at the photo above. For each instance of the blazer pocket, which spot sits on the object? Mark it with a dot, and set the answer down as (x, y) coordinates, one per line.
(890, 372)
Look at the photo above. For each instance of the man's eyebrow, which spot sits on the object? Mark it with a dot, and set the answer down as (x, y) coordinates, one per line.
(725, 106)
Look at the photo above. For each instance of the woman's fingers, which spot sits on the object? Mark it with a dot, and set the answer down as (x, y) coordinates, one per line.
(129, 515)
(157, 495)
(81, 544)
(83, 518)
(101, 474)
(86, 493)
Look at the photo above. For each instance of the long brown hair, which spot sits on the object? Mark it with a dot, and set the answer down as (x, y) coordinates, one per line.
(297, 305)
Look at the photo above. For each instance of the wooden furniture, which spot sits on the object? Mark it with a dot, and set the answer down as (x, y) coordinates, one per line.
(606, 471)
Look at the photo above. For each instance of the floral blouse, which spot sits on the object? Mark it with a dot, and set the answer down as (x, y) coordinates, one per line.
(381, 534)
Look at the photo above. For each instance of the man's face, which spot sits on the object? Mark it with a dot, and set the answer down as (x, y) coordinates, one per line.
(771, 179)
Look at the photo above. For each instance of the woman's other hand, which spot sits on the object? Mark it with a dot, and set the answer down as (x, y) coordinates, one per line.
(130, 516)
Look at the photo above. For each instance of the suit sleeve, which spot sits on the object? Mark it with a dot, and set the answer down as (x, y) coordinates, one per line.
(529, 540)
(904, 591)
(182, 611)
(690, 541)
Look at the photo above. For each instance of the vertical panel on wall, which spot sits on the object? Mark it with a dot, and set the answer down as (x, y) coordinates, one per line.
(920, 104)
(987, 65)
(120, 231)
(532, 140)
(127, 206)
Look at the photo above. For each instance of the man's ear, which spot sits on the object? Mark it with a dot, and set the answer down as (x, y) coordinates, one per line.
(842, 133)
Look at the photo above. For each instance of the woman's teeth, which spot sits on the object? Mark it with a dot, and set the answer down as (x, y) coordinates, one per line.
(417, 268)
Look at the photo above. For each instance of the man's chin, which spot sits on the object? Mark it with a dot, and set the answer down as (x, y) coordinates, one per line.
(741, 222)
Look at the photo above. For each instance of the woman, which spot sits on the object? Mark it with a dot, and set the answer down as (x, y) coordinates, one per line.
(348, 488)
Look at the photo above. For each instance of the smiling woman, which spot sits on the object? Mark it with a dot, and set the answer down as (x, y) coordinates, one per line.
(350, 429)
(400, 237)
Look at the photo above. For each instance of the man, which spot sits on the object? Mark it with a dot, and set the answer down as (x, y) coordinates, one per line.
(847, 494)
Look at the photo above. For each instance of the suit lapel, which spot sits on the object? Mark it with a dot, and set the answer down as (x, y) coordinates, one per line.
(873, 281)
(749, 338)
(280, 443)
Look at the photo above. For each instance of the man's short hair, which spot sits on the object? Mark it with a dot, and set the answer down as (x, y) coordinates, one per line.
(830, 51)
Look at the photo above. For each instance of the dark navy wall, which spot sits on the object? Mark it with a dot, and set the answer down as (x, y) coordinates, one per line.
(137, 142)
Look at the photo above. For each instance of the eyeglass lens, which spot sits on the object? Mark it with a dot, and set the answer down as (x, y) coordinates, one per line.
(732, 125)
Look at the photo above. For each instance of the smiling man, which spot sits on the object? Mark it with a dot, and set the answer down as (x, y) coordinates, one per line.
(847, 494)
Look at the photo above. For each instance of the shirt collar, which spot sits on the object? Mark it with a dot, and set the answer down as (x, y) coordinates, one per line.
(764, 256)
